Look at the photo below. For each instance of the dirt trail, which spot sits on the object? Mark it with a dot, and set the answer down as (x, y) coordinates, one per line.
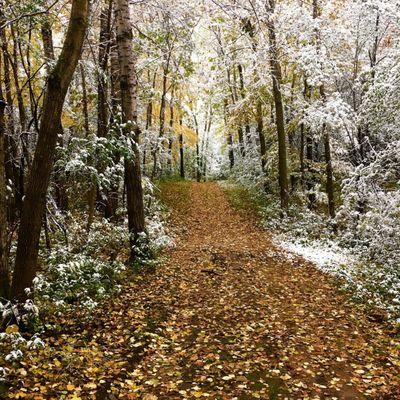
(229, 316)
(249, 322)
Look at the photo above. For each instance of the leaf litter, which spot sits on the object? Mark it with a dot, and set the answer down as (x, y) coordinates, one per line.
(227, 316)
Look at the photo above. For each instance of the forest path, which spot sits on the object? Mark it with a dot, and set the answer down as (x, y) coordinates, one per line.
(249, 322)
(228, 316)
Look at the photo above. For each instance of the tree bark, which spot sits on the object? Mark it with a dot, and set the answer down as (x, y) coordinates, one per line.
(61, 195)
(4, 268)
(12, 159)
(84, 102)
(261, 137)
(198, 171)
(243, 94)
(280, 120)
(128, 86)
(104, 49)
(327, 147)
(39, 177)
(181, 154)
(171, 128)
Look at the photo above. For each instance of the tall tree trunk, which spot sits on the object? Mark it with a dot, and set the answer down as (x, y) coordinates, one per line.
(171, 130)
(128, 85)
(302, 164)
(229, 138)
(85, 108)
(47, 39)
(242, 151)
(39, 177)
(249, 29)
(205, 143)
(149, 116)
(280, 120)
(163, 102)
(243, 94)
(327, 147)
(231, 153)
(181, 154)
(309, 153)
(261, 136)
(4, 269)
(92, 190)
(105, 198)
(61, 195)
(25, 158)
(13, 167)
(329, 175)
(198, 171)
(104, 49)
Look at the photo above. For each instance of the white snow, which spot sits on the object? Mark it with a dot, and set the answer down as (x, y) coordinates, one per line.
(328, 257)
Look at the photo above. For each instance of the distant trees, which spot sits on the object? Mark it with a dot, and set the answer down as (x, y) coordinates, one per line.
(289, 92)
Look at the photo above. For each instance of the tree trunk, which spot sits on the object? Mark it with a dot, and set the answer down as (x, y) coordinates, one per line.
(61, 196)
(327, 147)
(309, 153)
(149, 116)
(329, 176)
(47, 39)
(302, 164)
(128, 85)
(261, 137)
(35, 200)
(4, 270)
(243, 94)
(84, 102)
(104, 47)
(92, 191)
(171, 128)
(12, 166)
(106, 204)
(231, 153)
(198, 172)
(161, 119)
(280, 121)
(181, 155)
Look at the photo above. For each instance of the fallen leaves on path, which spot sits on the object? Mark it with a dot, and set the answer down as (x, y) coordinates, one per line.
(228, 316)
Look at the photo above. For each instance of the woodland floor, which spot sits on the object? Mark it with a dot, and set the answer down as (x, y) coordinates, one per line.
(227, 316)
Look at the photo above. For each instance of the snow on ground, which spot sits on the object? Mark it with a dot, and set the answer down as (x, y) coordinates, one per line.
(328, 257)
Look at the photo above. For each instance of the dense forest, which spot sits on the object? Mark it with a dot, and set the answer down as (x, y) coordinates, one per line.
(199, 199)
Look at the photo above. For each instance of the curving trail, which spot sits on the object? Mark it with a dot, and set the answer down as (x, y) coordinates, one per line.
(228, 316)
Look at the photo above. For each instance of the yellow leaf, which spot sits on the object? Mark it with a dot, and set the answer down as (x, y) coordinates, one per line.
(12, 329)
(70, 387)
(90, 386)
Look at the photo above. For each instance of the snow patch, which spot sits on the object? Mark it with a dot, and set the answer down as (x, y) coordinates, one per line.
(328, 257)
(321, 255)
